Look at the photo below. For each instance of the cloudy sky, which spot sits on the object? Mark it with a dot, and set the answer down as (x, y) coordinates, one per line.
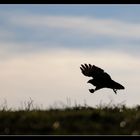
(42, 47)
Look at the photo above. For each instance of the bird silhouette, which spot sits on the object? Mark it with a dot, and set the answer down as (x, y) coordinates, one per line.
(100, 78)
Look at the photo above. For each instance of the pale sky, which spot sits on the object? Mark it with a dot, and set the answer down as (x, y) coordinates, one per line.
(43, 46)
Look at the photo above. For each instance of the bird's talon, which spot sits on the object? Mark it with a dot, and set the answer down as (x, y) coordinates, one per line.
(91, 90)
(115, 90)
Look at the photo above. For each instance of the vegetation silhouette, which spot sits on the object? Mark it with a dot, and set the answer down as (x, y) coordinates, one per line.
(104, 119)
(100, 78)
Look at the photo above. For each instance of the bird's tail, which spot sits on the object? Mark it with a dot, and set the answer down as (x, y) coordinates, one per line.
(117, 85)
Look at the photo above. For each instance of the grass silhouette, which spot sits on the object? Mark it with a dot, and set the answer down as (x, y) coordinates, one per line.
(77, 120)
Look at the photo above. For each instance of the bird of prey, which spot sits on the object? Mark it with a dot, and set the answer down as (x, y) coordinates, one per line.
(100, 78)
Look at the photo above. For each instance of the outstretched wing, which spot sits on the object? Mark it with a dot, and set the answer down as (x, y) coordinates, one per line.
(93, 71)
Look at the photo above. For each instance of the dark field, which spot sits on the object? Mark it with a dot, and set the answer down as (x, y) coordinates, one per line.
(115, 120)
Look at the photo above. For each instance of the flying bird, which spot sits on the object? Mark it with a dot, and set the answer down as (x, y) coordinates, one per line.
(100, 79)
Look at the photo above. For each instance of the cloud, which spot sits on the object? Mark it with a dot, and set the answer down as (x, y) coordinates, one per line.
(54, 75)
(5, 34)
(49, 71)
(83, 25)
(31, 32)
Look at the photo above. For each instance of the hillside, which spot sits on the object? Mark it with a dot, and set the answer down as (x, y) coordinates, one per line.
(71, 121)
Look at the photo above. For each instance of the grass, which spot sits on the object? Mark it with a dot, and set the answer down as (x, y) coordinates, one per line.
(77, 120)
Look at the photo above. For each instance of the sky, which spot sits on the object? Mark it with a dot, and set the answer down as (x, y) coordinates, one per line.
(43, 45)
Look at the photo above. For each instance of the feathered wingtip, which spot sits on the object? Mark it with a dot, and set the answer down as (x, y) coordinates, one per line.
(87, 69)
(91, 68)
